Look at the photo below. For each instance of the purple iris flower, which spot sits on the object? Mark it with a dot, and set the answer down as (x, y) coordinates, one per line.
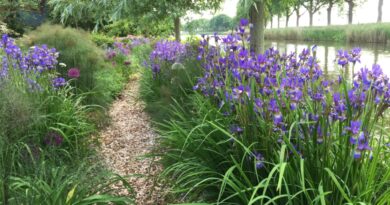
(58, 82)
(259, 159)
(342, 57)
(273, 106)
(376, 70)
(278, 119)
(357, 154)
(318, 96)
(235, 129)
(355, 55)
(355, 127)
(258, 103)
(53, 139)
(244, 22)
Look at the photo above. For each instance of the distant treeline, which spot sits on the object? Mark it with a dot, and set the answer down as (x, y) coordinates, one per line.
(363, 33)
(219, 23)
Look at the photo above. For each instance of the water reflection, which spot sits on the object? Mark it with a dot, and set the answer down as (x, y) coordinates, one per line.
(326, 53)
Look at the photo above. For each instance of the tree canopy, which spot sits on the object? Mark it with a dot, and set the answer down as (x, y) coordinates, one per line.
(104, 12)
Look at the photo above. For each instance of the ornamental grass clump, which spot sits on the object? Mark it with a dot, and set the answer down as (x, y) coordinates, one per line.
(279, 130)
(79, 51)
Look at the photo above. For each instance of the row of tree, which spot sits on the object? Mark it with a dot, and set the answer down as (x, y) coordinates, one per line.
(286, 8)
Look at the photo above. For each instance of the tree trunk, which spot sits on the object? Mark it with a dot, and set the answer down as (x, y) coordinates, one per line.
(380, 5)
(177, 28)
(42, 6)
(272, 23)
(257, 16)
(278, 20)
(287, 19)
(311, 14)
(330, 13)
(351, 6)
(298, 16)
(326, 60)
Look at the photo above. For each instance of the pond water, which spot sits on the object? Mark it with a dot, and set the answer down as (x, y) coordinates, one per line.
(326, 54)
(373, 53)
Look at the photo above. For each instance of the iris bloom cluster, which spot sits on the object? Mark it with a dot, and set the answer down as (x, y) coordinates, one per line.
(35, 61)
(123, 46)
(286, 89)
(166, 52)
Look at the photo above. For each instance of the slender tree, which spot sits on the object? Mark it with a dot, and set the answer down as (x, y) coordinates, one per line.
(313, 6)
(380, 5)
(351, 6)
(331, 4)
(275, 8)
(296, 8)
(287, 9)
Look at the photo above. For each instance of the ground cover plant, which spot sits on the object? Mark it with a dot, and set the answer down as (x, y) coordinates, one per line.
(272, 128)
(45, 148)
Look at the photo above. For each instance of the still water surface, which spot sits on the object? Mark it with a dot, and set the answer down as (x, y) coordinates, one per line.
(326, 54)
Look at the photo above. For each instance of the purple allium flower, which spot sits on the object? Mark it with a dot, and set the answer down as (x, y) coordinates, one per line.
(74, 73)
(58, 82)
(53, 139)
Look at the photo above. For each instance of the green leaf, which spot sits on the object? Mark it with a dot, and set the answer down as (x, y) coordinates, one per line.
(70, 194)
(338, 185)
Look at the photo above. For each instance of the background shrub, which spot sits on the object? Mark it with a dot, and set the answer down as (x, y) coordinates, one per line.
(77, 50)
(102, 40)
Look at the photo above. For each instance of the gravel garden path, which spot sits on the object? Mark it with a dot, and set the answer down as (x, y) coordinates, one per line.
(126, 141)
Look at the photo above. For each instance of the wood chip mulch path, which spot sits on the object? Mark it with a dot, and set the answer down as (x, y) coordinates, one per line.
(126, 141)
